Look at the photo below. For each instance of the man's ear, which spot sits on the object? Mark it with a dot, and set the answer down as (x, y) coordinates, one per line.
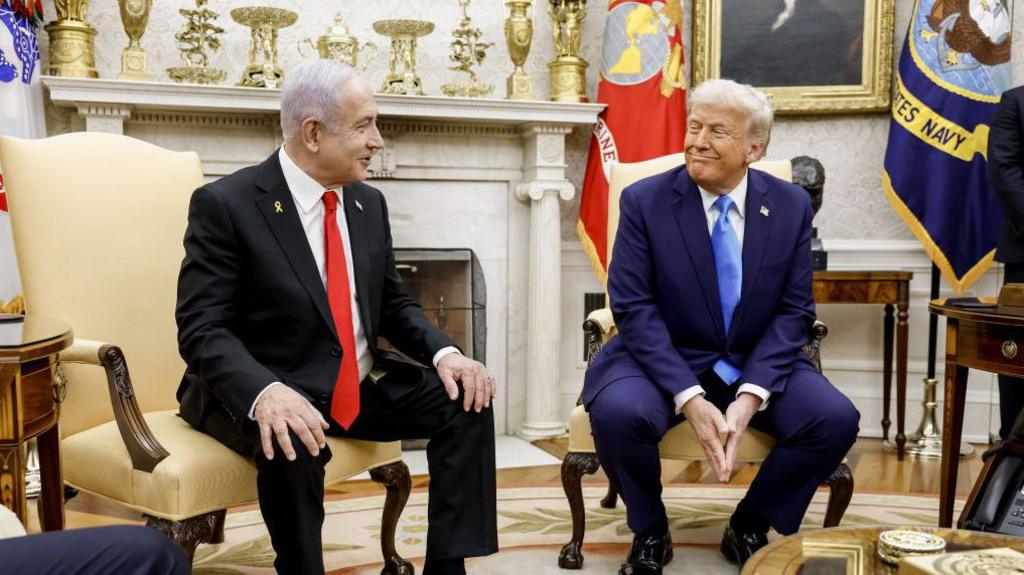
(756, 152)
(310, 134)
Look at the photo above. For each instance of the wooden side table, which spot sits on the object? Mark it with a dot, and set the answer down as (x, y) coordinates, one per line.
(853, 550)
(30, 396)
(975, 338)
(890, 288)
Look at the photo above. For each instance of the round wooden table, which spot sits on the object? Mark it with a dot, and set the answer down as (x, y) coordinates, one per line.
(851, 550)
(30, 396)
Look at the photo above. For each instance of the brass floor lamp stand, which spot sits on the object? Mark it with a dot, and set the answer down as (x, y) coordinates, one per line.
(926, 442)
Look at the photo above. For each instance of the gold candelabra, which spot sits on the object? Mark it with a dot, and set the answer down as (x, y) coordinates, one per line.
(134, 17)
(198, 35)
(468, 51)
(518, 38)
(403, 34)
(568, 70)
(72, 46)
(263, 70)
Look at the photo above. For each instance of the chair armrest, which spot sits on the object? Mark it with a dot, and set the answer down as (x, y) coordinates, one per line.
(813, 347)
(143, 447)
(597, 328)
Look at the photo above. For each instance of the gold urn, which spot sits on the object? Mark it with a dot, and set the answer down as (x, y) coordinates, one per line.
(519, 37)
(72, 46)
(337, 44)
(134, 18)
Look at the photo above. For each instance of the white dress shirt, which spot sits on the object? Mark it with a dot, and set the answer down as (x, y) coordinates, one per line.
(308, 197)
(738, 195)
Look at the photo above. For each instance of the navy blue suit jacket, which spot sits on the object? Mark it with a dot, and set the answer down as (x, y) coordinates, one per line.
(664, 291)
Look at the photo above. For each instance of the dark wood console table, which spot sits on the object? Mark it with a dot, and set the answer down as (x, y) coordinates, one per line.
(891, 288)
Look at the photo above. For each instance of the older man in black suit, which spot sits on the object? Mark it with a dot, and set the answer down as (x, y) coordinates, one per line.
(288, 279)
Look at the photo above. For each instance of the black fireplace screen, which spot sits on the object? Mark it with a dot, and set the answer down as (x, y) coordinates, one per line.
(449, 285)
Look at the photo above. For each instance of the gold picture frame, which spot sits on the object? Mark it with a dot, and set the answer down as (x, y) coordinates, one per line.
(874, 41)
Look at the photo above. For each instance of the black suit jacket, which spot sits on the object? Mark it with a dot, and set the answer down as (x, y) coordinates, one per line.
(1006, 172)
(252, 308)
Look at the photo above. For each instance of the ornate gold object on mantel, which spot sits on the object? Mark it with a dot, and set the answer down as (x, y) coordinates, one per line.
(568, 70)
(263, 71)
(134, 17)
(403, 34)
(519, 37)
(71, 41)
(338, 44)
(467, 51)
(198, 35)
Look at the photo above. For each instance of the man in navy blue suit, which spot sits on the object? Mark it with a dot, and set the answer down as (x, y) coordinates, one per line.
(710, 286)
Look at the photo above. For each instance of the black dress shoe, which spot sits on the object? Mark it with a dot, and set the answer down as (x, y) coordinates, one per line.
(738, 546)
(444, 567)
(648, 555)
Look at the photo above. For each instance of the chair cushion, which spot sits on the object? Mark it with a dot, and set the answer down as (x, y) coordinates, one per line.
(200, 474)
(679, 443)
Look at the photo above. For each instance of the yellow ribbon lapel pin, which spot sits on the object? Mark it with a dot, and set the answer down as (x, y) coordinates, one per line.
(278, 208)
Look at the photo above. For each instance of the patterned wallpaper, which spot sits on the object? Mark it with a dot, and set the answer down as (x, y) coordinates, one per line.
(850, 147)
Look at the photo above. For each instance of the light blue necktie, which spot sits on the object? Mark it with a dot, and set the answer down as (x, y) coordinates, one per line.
(729, 270)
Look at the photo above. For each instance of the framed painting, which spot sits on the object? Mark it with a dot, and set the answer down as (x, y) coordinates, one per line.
(810, 56)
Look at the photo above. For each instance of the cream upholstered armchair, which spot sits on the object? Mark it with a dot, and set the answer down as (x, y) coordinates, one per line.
(98, 223)
(681, 442)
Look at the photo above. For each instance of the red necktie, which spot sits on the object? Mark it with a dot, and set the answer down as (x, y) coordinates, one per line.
(345, 403)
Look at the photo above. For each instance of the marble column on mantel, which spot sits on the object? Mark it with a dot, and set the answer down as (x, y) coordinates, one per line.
(108, 118)
(544, 185)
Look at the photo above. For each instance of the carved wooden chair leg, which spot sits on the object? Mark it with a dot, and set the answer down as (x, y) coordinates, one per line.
(394, 477)
(218, 527)
(187, 533)
(611, 498)
(840, 491)
(574, 466)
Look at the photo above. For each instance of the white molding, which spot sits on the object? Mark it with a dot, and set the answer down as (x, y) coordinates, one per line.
(70, 92)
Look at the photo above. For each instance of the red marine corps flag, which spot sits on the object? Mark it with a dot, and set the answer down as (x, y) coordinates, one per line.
(644, 86)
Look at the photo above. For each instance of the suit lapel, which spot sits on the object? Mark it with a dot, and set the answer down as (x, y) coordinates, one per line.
(757, 228)
(693, 225)
(282, 218)
(355, 216)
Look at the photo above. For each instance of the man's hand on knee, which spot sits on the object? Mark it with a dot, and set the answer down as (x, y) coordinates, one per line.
(477, 383)
(282, 408)
(711, 427)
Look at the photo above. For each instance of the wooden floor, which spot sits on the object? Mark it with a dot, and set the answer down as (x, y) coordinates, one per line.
(874, 470)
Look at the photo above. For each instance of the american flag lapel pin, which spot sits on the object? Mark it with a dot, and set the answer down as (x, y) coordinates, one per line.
(764, 210)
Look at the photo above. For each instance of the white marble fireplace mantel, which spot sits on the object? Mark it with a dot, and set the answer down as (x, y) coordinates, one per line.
(488, 174)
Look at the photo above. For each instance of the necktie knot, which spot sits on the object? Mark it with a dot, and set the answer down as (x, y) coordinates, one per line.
(330, 201)
(723, 203)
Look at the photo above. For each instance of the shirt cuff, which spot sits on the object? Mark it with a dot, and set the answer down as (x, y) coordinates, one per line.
(757, 390)
(682, 397)
(443, 352)
(252, 409)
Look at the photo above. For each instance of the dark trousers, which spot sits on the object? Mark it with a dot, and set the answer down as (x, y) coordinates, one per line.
(122, 549)
(408, 403)
(1011, 389)
(813, 423)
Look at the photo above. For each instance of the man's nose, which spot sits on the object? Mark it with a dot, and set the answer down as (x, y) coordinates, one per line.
(376, 141)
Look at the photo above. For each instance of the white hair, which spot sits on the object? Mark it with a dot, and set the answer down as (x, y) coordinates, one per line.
(311, 90)
(722, 93)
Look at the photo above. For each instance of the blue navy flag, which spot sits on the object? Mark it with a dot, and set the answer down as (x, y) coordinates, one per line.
(954, 66)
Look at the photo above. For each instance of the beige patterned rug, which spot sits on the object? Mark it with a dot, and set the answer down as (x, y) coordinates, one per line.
(533, 524)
